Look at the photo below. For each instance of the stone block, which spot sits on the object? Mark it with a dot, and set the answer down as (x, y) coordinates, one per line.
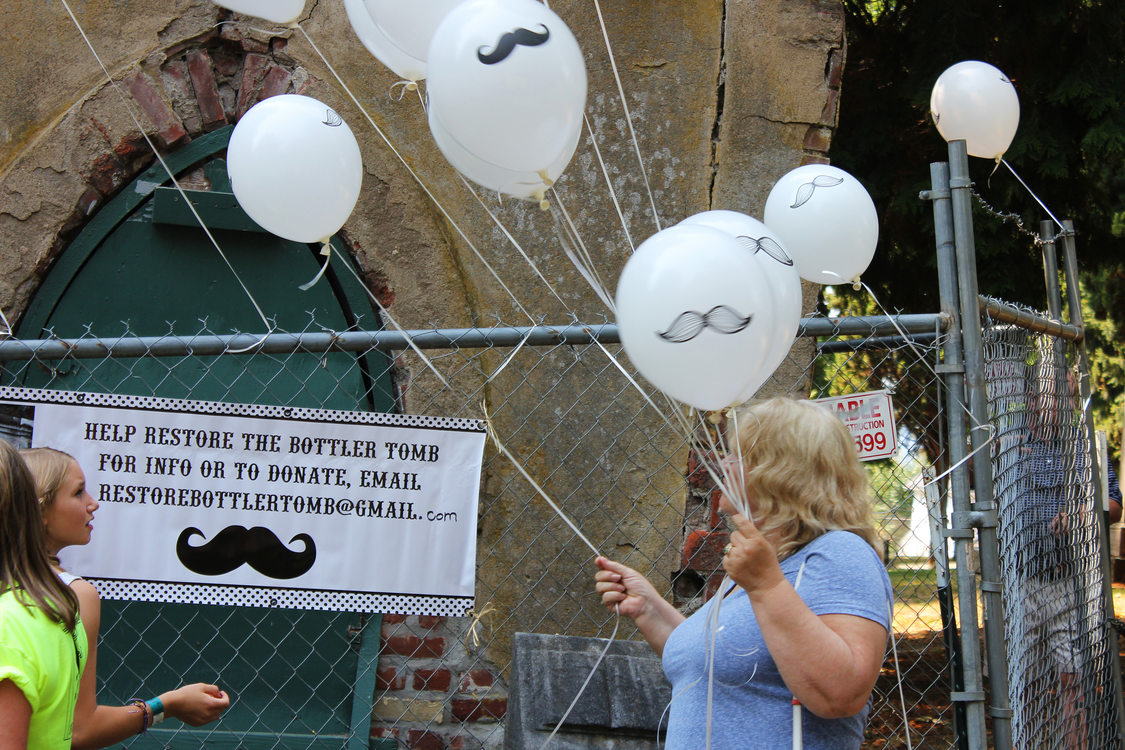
(169, 130)
(620, 708)
(432, 679)
(206, 90)
(397, 710)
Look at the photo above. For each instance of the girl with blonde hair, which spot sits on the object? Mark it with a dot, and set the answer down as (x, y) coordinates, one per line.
(67, 516)
(42, 646)
(805, 614)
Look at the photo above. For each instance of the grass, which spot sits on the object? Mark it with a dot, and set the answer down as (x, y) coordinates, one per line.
(917, 608)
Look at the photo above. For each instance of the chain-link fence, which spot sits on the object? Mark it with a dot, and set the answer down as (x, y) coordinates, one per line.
(620, 470)
(1060, 661)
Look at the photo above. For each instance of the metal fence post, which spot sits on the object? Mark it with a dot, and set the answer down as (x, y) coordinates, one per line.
(1074, 301)
(1051, 269)
(969, 686)
(985, 506)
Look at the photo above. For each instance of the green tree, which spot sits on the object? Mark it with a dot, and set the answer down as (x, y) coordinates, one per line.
(1067, 60)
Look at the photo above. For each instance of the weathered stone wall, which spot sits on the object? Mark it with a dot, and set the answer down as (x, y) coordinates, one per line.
(725, 98)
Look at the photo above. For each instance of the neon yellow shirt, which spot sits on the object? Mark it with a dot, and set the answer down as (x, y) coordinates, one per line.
(45, 662)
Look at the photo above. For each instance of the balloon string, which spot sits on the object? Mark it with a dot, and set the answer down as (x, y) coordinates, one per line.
(1033, 195)
(573, 247)
(628, 115)
(191, 207)
(406, 86)
(585, 684)
(919, 354)
(608, 182)
(379, 131)
(515, 243)
(534, 484)
(683, 426)
(326, 251)
(8, 326)
(390, 319)
(509, 358)
(898, 674)
(586, 257)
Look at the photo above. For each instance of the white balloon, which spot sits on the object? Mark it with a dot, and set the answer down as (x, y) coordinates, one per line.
(506, 79)
(398, 33)
(774, 261)
(295, 167)
(695, 314)
(523, 185)
(278, 11)
(975, 102)
(826, 220)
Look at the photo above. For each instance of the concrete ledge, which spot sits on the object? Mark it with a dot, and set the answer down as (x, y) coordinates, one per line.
(619, 710)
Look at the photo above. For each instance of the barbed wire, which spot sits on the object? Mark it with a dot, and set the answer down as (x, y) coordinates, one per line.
(1014, 218)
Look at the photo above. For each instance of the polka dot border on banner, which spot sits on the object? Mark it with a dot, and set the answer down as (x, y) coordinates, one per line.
(279, 598)
(254, 596)
(293, 413)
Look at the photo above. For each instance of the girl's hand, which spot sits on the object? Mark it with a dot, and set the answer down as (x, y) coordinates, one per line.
(195, 704)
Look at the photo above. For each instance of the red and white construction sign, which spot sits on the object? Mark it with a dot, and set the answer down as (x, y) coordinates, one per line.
(871, 419)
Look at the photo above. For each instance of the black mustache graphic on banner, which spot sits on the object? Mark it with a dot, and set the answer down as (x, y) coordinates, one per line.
(510, 41)
(236, 545)
(690, 324)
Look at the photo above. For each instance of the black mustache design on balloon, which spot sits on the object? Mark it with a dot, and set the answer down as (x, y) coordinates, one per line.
(806, 191)
(767, 245)
(689, 324)
(236, 545)
(510, 41)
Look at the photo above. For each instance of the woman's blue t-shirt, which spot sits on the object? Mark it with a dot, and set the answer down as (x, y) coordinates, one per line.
(750, 705)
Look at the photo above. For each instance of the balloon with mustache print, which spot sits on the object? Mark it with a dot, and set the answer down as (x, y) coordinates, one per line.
(506, 87)
(976, 102)
(773, 259)
(826, 220)
(235, 546)
(696, 314)
(689, 324)
(510, 41)
(295, 167)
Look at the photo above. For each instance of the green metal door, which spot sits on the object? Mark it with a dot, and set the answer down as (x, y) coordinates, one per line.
(143, 267)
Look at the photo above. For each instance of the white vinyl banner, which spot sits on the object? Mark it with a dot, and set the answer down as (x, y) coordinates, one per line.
(215, 503)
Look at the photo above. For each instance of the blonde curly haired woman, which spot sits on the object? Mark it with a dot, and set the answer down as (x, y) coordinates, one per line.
(67, 515)
(807, 616)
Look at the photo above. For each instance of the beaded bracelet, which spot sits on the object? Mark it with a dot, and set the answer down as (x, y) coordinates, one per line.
(145, 708)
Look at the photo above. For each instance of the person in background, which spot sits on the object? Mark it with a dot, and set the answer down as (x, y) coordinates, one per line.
(807, 615)
(42, 642)
(67, 515)
(1114, 492)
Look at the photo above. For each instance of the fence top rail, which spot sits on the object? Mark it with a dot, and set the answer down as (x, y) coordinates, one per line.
(1026, 319)
(359, 341)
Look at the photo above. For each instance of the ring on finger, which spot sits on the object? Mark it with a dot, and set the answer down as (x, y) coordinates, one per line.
(727, 549)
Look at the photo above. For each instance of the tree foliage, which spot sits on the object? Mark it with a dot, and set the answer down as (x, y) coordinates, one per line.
(1067, 61)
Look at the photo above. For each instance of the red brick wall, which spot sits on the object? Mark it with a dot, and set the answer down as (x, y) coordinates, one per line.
(433, 693)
